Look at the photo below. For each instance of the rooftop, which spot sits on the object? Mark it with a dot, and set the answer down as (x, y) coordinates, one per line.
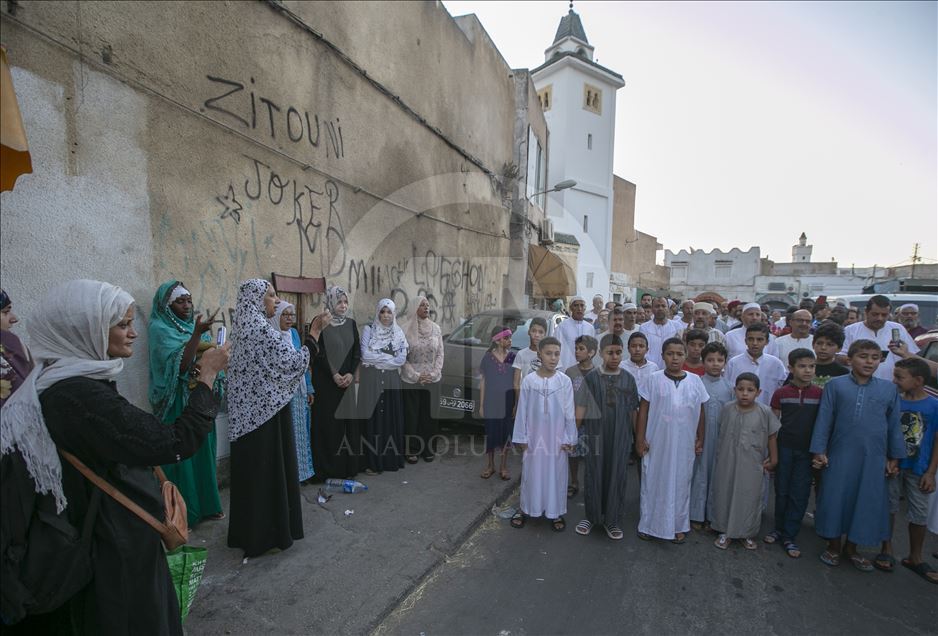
(570, 26)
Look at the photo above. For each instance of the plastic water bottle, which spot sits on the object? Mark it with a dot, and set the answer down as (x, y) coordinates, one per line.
(345, 485)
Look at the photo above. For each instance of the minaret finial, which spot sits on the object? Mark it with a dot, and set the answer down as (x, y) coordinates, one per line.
(571, 5)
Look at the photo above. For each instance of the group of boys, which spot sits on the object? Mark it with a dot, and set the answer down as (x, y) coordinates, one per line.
(862, 434)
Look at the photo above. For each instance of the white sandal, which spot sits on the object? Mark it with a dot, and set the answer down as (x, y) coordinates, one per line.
(584, 527)
(722, 542)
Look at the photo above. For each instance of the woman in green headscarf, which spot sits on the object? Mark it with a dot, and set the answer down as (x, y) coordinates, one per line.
(175, 341)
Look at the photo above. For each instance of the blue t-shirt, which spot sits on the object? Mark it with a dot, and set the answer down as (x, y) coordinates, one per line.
(919, 421)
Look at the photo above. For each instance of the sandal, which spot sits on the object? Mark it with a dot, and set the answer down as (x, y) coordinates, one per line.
(411, 459)
(860, 563)
(558, 524)
(584, 527)
(572, 491)
(614, 533)
(643, 536)
(679, 538)
(218, 516)
(884, 562)
(791, 549)
(488, 472)
(518, 519)
(772, 537)
(505, 475)
(749, 544)
(696, 526)
(722, 542)
(830, 558)
(922, 569)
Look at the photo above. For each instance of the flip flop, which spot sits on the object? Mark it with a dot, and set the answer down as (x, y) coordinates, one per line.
(505, 475)
(558, 524)
(749, 544)
(644, 537)
(922, 569)
(584, 527)
(884, 562)
(679, 540)
(772, 537)
(488, 472)
(518, 519)
(791, 549)
(572, 491)
(860, 563)
(830, 558)
(722, 542)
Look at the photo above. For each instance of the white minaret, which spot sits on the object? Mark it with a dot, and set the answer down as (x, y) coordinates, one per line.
(579, 101)
(801, 253)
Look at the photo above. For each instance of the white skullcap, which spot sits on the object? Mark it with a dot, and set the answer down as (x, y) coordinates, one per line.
(912, 306)
(576, 298)
(749, 306)
(629, 306)
(703, 306)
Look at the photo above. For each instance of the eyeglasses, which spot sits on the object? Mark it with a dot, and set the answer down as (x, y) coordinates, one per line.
(286, 315)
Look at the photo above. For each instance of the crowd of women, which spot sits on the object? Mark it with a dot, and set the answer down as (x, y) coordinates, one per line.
(293, 416)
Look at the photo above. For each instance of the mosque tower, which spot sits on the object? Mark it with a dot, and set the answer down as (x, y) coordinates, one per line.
(578, 97)
(801, 253)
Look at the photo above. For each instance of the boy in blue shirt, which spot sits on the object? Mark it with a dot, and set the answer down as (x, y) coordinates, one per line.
(916, 478)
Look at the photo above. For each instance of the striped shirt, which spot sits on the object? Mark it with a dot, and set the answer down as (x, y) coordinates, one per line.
(799, 407)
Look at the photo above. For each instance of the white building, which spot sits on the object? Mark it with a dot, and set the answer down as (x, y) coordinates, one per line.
(578, 97)
(724, 275)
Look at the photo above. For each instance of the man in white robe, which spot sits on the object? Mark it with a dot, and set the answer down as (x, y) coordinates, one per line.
(659, 329)
(877, 328)
(571, 329)
(736, 338)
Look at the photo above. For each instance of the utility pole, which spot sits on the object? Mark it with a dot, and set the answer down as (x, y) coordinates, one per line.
(915, 259)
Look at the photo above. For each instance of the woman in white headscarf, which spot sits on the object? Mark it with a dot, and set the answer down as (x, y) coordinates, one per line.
(79, 336)
(262, 379)
(421, 375)
(336, 426)
(283, 320)
(384, 351)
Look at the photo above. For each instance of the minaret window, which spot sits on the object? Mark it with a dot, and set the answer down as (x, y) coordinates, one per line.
(589, 141)
(545, 97)
(592, 99)
(586, 223)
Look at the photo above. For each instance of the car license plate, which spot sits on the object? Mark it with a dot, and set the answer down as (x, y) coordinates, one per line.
(457, 404)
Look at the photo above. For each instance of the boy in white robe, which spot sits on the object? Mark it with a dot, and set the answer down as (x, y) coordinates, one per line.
(545, 430)
(669, 435)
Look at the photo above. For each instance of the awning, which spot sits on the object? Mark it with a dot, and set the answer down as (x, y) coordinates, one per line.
(551, 277)
(14, 152)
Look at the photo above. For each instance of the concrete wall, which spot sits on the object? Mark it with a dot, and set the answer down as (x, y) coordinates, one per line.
(701, 274)
(530, 129)
(213, 142)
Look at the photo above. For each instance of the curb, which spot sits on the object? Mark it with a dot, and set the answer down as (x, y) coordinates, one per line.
(458, 543)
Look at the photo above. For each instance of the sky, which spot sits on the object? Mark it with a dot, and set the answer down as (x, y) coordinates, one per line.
(747, 124)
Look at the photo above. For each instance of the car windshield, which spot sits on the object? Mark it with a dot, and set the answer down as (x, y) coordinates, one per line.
(477, 331)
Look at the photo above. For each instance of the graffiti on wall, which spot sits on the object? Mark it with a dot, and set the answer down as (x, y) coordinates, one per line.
(311, 207)
(240, 102)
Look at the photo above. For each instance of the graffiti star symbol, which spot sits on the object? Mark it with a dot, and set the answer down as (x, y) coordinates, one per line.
(232, 205)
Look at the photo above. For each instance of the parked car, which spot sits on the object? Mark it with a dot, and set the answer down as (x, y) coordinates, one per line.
(463, 351)
(927, 304)
(928, 349)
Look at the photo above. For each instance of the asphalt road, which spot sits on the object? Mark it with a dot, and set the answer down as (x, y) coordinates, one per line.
(508, 581)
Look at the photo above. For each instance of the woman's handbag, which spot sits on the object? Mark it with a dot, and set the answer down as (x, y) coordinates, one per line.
(174, 532)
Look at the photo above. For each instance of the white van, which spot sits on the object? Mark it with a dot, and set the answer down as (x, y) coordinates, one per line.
(927, 304)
